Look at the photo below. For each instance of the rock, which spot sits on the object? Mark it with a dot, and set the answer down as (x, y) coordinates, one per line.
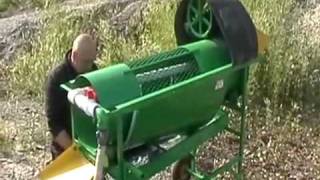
(17, 30)
(121, 21)
(309, 23)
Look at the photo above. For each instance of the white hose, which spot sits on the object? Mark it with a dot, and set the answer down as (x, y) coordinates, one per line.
(78, 98)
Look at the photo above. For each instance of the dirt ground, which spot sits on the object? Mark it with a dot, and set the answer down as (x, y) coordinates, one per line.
(24, 148)
(273, 151)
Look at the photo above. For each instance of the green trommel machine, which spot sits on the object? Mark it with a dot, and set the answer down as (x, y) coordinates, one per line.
(132, 120)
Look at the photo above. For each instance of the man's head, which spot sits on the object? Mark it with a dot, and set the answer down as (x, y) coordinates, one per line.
(84, 52)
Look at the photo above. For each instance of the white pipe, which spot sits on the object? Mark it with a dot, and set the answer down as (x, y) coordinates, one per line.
(78, 98)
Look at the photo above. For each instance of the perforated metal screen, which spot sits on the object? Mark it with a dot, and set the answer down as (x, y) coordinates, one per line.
(165, 69)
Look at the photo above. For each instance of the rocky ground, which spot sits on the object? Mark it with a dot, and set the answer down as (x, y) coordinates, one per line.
(274, 150)
(24, 130)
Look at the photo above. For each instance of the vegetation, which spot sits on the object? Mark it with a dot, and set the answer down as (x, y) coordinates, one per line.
(29, 72)
(288, 79)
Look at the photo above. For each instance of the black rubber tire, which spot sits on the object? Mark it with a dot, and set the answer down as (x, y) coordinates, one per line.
(180, 169)
(182, 36)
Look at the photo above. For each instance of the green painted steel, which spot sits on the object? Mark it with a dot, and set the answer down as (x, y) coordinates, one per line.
(199, 19)
(118, 84)
(181, 105)
(113, 85)
(214, 127)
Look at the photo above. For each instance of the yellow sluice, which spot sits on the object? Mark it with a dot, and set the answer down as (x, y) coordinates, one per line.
(71, 164)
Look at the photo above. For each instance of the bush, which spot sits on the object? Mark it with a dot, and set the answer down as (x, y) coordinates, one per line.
(287, 80)
(153, 33)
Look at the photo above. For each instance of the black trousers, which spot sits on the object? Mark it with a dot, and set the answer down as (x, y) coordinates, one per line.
(56, 150)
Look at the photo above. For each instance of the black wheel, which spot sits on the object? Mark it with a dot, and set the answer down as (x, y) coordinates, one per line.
(180, 170)
(217, 19)
(194, 20)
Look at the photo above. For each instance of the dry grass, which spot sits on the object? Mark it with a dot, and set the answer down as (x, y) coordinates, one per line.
(287, 80)
(273, 150)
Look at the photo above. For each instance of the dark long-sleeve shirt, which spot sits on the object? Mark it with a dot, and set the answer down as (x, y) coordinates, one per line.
(57, 107)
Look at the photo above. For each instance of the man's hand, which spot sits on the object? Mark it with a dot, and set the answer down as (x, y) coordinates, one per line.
(63, 139)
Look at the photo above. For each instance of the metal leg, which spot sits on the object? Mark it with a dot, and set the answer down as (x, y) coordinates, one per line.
(243, 124)
(120, 150)
(101, 159)
(193, 162)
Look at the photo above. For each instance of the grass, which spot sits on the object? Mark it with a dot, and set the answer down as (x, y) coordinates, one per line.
(54, 40)
(286, 79)
(2, 136)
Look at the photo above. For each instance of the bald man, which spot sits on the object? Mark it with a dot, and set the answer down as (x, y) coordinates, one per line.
(78, 60)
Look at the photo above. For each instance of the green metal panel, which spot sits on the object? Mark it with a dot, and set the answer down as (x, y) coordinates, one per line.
(113, 85)
(83, 131)
(183, 89)
(180, 110)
